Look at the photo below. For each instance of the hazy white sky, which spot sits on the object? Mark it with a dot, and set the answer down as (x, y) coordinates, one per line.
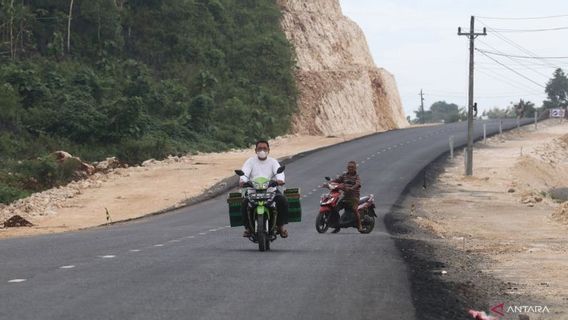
(417, 41)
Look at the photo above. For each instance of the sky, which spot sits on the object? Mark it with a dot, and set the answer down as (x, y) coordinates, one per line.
(417, 41)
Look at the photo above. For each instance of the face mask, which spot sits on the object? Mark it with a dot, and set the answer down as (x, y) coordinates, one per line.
(262, 154)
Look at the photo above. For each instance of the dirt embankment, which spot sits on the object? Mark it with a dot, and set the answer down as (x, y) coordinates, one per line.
(127, 193)
(500, 236)
(340, 88)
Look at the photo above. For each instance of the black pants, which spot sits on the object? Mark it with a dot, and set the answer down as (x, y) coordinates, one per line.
(281, 206)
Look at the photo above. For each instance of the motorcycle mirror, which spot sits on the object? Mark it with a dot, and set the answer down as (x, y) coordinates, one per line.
(328, 178)
(281, 169)
(239, 173)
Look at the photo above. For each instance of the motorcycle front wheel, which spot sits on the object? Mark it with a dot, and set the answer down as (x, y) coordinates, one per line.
(261, 233)
(322, 222)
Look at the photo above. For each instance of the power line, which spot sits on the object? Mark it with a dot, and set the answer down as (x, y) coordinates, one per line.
(526, 18)
(511, 69)
(508, 81)
(516, 45)
(520, 63)
(520, 57)
(531, 30)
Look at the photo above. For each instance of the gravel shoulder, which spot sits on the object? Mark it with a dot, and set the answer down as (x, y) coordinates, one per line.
(497, 237)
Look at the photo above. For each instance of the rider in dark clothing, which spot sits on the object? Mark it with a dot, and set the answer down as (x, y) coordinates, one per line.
(351, 191)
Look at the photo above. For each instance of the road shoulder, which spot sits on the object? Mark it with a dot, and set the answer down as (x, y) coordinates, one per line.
(498, 237)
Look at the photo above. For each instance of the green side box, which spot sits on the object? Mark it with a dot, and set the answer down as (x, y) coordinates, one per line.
(294, 204)
(235, 201)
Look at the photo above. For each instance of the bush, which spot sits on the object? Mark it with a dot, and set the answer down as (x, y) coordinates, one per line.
(38, 174)
(9, 194)
(134, 152)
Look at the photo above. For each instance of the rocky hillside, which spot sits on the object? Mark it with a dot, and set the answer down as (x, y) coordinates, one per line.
(341, 90)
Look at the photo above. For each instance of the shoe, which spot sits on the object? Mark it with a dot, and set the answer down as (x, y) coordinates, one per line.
(282, 232)
(247, 233)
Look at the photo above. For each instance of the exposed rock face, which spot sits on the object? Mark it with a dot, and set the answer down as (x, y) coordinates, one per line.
(341, 89)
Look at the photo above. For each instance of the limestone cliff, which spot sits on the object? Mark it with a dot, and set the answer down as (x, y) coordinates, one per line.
(340, 88)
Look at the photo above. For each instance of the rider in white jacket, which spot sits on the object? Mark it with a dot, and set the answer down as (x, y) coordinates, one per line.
(262, 165)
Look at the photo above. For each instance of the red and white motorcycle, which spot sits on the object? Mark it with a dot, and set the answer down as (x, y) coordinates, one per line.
(331, 204)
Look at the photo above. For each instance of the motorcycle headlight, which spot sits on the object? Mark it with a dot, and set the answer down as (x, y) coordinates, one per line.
(261, 186)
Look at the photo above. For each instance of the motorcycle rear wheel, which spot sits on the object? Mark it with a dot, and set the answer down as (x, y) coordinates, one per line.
(367, 223)
(322, 222)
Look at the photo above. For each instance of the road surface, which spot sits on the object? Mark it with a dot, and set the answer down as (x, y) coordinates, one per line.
(188, 264)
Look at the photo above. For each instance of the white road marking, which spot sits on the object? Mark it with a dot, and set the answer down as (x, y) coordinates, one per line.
(135, 250)
(227, 226)
(368, 158)
(17, 280)
(174, 240)
(202, 233)
(108, 256)
(314, 190)
(67, 267)
(362, 161)
(159, 245)
(212, 230)
(190, 237)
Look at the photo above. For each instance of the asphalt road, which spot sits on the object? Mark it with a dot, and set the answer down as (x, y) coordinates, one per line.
(188, 264)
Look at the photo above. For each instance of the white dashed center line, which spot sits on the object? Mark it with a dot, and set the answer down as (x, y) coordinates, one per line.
(202, 233)
(159, 245)
(212, 230)
(17, 280)
(67, 267)
(109, 256)
(135, 250)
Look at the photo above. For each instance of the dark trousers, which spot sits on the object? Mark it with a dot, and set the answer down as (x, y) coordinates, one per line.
(281, 206)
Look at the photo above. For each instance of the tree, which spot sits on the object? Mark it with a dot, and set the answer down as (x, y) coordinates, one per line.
(69, 26)
(446, 112)
(557, 91)
(524, 109)
(498, 113)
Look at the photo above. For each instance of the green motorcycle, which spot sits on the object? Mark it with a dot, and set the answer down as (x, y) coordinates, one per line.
(260, 193)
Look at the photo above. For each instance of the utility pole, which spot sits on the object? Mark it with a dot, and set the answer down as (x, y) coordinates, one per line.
(422, 105)
(471, 35)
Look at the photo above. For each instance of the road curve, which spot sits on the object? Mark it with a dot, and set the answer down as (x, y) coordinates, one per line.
(187, 264)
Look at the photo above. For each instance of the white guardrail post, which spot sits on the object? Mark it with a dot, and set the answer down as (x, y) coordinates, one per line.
(452, 147)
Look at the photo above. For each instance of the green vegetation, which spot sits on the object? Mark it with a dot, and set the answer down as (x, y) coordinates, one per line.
(521, 109)
(136, 79)
(441, 111)
(557, 91)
